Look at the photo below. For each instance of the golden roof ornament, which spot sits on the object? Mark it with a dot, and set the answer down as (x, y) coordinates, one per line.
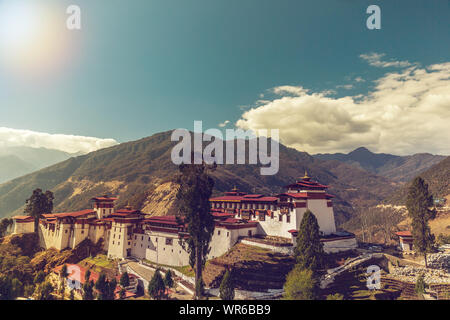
(306, 175)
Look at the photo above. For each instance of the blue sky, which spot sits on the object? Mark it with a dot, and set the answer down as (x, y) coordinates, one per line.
(140, 67)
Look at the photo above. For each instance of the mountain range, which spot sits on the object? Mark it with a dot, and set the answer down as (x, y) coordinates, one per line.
(141, 172)
(18, 161)
(396, 168)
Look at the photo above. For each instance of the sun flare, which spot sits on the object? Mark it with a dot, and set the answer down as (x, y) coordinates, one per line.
(31, 37)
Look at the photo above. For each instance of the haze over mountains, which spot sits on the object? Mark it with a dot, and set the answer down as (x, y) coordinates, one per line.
(18, 161)
(396, 168)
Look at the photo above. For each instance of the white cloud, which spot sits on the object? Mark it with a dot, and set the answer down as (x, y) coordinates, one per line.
(374, 59)
(407, 112)
(68, 143)
(224, 124)
(359, 79)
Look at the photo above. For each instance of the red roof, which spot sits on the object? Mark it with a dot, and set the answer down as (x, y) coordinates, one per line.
(293, 231)
(23, 218)
(72, 269)
(307, 184)
(77, 273)
(69, 214)
(104, 198)
(404, 233)
(246, 198)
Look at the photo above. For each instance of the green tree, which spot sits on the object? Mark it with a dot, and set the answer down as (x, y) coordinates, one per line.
(44, 291)
(193, 200)
(168, 281)
(226, 289)
(6, 290)
(156, 287)
(122, 294)
(301, 284)
(105, 287)
(28, 290)
(4, 226)
(17, 287)
(38, 204)
(40, 277)
(420, 285)
(418, 203)
(124, 280)
(309, 251)
(88, 290)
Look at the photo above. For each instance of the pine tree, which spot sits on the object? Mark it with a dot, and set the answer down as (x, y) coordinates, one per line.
(418, 203)
(88, 290)
(309, 251)
(193, 200)
(105, 288)
(38, 204)
(168, 281)
(226, 289)
(122, 294)
(420, 285)
(156, 287)
(124, 280)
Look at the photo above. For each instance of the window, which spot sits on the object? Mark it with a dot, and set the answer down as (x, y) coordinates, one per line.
(228, 234)
(280, 217)
(130, 243)
(169, 241)
(66, 231)
(135, 237)
(288, 218)
(218, 232)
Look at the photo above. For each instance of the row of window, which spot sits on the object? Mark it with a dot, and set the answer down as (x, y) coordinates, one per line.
(228, 205)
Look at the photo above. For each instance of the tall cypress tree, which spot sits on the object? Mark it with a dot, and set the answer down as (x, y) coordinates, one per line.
(418, 203)
(226, 290)
(193, 201)
(309, 251)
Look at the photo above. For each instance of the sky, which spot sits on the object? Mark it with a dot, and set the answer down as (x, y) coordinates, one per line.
(311, 69)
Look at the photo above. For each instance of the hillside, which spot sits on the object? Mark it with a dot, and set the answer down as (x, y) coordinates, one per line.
(18, 161)
(396, 168)
(438, 179)
(140, 173)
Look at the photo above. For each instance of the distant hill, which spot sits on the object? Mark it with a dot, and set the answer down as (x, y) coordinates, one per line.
(18, 161)
(140, 173)
(396, 168)
(438, 179)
